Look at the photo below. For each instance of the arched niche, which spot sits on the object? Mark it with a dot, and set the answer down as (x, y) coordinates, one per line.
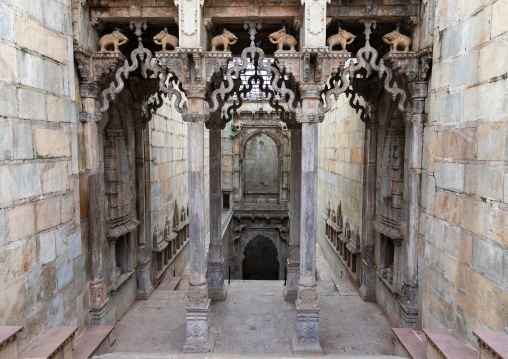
(261, 168)
(260, 260)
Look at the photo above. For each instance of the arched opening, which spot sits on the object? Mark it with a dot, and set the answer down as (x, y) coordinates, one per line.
(260, 260)
(261, 169)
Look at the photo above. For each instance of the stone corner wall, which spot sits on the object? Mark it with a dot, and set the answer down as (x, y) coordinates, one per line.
(42, 254)
(464, 202)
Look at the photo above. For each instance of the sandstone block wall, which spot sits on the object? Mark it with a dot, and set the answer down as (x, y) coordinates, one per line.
(464, 202)
(43, 254)
(341, 171)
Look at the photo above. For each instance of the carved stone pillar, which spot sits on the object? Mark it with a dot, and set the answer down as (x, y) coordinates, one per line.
(143, 253)
(306, 338)
(368, 272)
(216, 286)
(198, 338)
(408, 302)
(98, 292)
(293, 263)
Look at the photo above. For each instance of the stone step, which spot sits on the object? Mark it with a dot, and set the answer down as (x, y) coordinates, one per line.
(446, 344)
(8, 344)
(169, 283)
(51, 342)
(493, 345)
(410, 343)
(236, 356)
(94, 340)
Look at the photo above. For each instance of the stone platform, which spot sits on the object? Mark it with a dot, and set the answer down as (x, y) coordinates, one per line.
(254, 320)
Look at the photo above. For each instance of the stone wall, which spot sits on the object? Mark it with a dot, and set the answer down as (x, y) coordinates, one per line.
(340, 173)
(43, 252)
(464, 203)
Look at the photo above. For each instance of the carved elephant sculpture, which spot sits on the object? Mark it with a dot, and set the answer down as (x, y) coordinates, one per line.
(225, 40)
(282, 39)
(164, 38)
(395, 39)
(116, 38)
(342, 38)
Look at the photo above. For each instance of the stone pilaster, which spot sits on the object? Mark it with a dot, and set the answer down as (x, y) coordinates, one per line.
(143, 254)
(98, 303)
(408, 302)
(368, 272)
(306, 338)
(216, 286)
(293, 263)
(198, 338)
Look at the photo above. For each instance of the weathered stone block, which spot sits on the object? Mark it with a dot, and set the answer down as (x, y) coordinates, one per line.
(464, 70)
(9, 68)
(499, 16)
(499, 231)
(488, 260)
(40, 39)
(449, 175)
(21, 221)
(457, 144)
(47, 213)
(452, 41)
(74, 244)
(58, 109)
(22, 141)
(32, 105)
(493, 59)
(486, 102)
(47, 245)
(505, 188)
(8, 101)
(492, 141)
(55, 176)
(13, 300)
(52, 143)
(19, 181)
(465, 212)
(30, 70)
(5, 142)
(484, 181)
(56, 78)
(450, 106)
(65, 275)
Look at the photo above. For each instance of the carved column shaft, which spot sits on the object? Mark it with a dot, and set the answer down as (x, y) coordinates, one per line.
(143, 255)
(98, 292)
(307, 311)
(293, 264)
(216, 287)
(368, 275)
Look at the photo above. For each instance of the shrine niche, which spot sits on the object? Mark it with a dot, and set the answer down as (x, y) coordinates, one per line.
(118, 191)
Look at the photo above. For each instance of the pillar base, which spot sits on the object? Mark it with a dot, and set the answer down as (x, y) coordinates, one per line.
(198, 337)
(217, 288)
(408, 306)
(306, 339)
(366, 290)
(293, 276)
(99, 302)
(218, 293)
(145, 286)
(305, 348)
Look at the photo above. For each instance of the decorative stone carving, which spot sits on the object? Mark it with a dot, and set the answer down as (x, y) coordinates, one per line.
(342, 38)
(197, 295)
(164, 38)
(226, 39)
(395, 39)
(282, 39)
(283, 126)
(116, 38)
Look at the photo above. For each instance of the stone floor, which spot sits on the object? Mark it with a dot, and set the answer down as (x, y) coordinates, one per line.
(255, 320)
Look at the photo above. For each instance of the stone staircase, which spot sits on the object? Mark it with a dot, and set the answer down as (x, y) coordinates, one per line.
(56, 342)
(446, 344)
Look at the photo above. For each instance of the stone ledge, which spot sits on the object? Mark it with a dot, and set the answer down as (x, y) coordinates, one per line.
(494, 343)
(8, 334)
(413, 342)
(48, 343)
(445, 343)
(90, 342)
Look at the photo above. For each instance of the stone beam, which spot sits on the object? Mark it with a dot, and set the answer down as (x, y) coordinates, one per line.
(353, 13)
(129, 13)
(244, 10)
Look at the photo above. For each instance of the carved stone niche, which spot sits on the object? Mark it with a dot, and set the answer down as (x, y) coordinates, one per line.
(118, 188)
